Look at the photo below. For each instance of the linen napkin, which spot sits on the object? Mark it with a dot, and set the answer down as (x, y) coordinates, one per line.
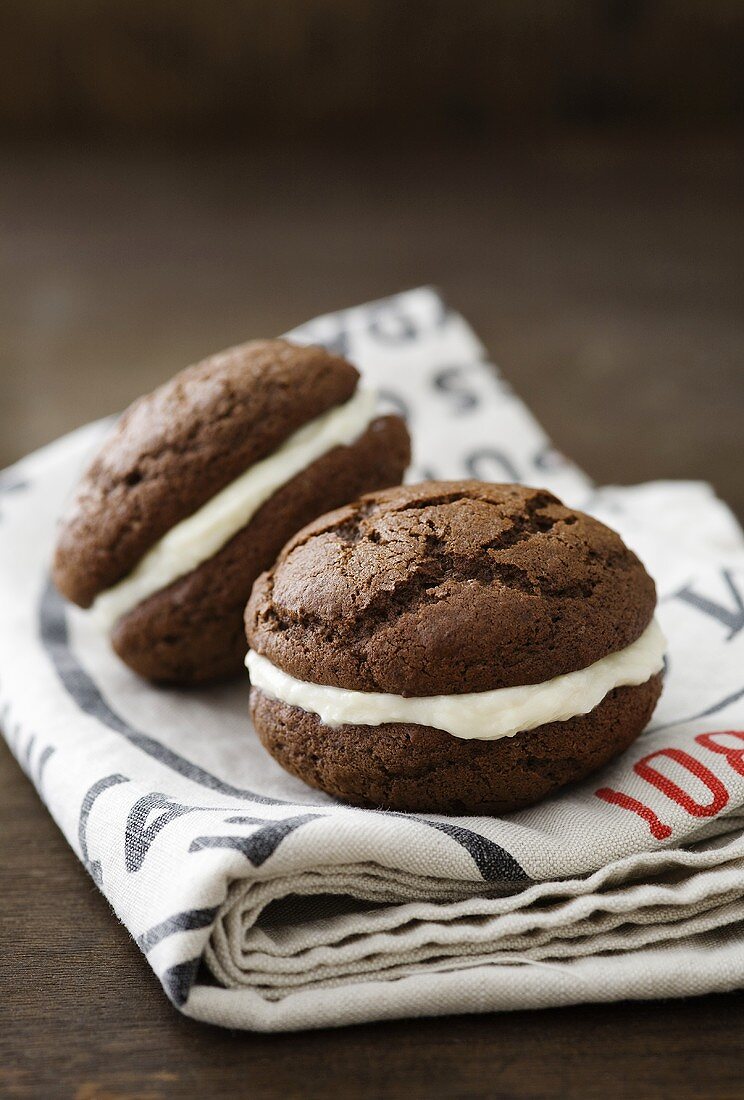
(263, 904)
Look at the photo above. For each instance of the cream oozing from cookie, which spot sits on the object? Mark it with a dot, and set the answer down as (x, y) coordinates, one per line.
(200, 536)
(479, 715)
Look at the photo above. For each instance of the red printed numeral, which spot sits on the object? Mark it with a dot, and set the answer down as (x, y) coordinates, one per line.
(616, 798)
(735, 756)
(644, 769)
(673, 791)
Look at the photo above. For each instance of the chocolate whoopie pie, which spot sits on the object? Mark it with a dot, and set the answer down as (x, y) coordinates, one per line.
(452, 647)
(200, 485)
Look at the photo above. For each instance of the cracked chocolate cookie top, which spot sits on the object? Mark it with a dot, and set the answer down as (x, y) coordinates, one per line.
(449, 587)
(175, 448)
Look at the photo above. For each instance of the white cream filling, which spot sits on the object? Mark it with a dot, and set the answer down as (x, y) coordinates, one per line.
(480, 715)
(201, 535)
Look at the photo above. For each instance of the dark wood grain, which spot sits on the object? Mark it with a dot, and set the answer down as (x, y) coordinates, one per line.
(606, 279)
(82, 1015)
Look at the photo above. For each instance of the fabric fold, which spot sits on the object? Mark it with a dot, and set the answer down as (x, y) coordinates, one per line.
(283, 936)
(260, 903)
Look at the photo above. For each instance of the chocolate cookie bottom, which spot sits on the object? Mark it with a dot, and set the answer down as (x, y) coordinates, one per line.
(418, 768)
(192, 631)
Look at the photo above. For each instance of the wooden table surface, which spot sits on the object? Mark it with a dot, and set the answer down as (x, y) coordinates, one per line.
(606, 278)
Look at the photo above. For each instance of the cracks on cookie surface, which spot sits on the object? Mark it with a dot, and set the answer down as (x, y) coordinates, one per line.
(357, 527)
(176, 448)
(467, 589)
(430, 566)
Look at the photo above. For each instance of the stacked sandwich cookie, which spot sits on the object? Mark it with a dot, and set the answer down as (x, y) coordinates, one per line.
(452, 647)
(198, 488)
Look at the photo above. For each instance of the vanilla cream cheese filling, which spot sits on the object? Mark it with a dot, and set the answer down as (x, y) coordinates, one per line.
(201, 535)
(479, 715)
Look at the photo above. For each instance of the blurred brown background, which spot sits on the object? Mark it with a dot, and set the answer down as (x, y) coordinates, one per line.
(178, 176)
(314, 69)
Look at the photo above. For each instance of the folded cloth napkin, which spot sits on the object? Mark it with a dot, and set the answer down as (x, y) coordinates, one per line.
(263, 904)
